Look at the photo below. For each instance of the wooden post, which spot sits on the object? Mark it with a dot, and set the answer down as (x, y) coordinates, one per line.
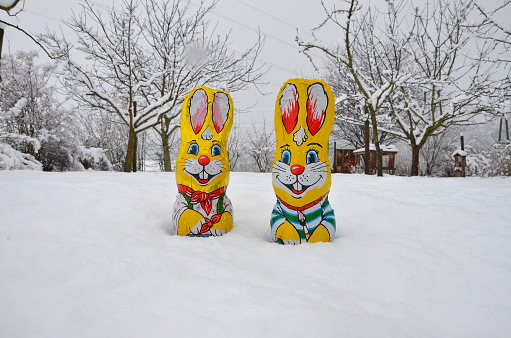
(134, 165)
(464, 158)
(460, 159)
(367, 154)
(335, 157)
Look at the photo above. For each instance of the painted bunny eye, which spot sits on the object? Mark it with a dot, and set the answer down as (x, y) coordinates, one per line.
(216, 150)
(286, 157)
(194, 149)
(312, 157)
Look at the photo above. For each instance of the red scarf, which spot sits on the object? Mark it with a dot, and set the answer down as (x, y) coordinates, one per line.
(203, 198)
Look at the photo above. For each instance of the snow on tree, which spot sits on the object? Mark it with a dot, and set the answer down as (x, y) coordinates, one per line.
(491, 29)
(144, 57)
(415, 73)
(261, 147)
(499, 156)
(350, 115)
(370, 59)
(34, 126)
(452, 89)
(11, 158)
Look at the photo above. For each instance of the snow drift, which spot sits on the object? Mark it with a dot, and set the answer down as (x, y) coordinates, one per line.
(92, 254)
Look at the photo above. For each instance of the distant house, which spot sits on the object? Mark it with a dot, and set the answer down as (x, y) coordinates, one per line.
(388, 158)
(344, 161)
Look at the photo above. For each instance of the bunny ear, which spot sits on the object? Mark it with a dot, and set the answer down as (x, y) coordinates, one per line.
(289, 107)
(221, 109)
(317, 102)
(198, 109)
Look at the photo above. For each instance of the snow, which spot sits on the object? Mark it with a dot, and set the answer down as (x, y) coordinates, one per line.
(389, 148)
(12, 159)
(459, 152)
(341, 99)
(91, 254)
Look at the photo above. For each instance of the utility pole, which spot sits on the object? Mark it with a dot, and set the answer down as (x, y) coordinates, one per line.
(1, 44)
(503, 120)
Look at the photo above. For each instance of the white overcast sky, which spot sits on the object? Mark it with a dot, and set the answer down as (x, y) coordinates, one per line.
(277, 19)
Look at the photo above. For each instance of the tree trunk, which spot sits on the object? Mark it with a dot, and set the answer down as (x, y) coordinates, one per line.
(415, 160)
(131, 151)
(167, 164)
(135, 148)
(135, 145)
(379, 153)
(367, 153)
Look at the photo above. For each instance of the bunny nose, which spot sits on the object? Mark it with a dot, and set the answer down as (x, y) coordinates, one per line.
(297, 169)
(203, 160)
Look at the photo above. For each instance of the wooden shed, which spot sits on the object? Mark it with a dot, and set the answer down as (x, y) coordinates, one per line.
(344, 161)
(388, 158)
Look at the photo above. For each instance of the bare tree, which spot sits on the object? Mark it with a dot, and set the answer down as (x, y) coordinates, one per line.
(350, 115)
(236, 145)
(370, 60)
(144, 58)
(415, 72)
(449, 88)
(198, 55)
(495, 38)
(261, 147)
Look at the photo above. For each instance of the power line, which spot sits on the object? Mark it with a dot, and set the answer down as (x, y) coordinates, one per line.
(249, 27)
(42, 15)
(282, 68)
(273, 17)
(238, 23)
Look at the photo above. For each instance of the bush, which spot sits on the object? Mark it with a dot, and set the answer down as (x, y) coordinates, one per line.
(499, 157)
(12, 159)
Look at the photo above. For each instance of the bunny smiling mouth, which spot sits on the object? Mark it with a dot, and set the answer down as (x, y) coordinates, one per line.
(202, 177)
(298, 188)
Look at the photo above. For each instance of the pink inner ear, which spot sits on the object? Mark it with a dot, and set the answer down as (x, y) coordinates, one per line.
(198, 110)
(221, 108)
(289, 107)
(317, 103)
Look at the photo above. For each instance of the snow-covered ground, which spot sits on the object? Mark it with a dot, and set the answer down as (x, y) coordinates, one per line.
(92, 254)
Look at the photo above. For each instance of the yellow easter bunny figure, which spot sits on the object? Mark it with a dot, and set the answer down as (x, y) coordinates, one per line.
(304, 116)
(202, 208)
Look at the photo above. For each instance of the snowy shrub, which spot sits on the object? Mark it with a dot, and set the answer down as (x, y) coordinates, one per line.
(35, 131)
(63, 154)
(476, 164)
(56, 154)
(94, 158)
(499, 157)
(14, 146)
(443, 165)
(12, 159)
